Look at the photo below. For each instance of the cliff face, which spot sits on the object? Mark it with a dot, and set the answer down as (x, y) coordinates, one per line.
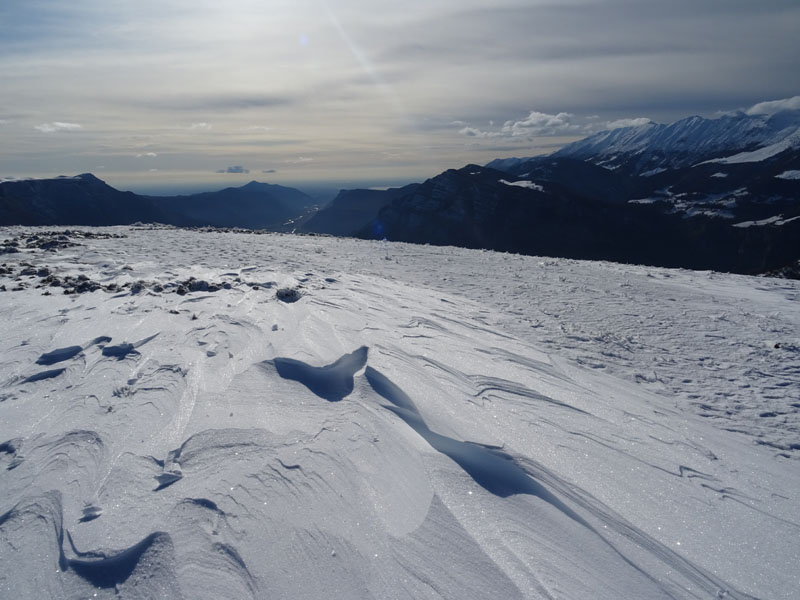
(478, 207)
(352, 210)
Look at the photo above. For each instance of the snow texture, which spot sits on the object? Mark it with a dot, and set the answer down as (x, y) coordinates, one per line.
(764, 153)
(419, 422)
(653, 147)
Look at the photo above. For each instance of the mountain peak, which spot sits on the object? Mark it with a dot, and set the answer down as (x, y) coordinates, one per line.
(255, 185)
(90, 177)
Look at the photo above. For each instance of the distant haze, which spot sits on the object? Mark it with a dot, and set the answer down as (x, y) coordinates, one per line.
(321, 190)
(196, 95)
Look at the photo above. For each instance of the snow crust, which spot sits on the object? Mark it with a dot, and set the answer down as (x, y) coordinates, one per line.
(419, 422)
(789, 175)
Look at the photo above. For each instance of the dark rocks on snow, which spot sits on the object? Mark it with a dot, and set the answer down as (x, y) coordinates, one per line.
(196, 285)
(288, 294)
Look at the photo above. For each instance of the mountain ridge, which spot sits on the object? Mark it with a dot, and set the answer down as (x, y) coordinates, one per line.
(697, 193)
(479, 207)
(85, 199)
(638, 149)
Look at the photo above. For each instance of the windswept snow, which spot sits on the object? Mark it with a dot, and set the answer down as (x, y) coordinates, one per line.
(419, 422)
(789, 175)
(761, 154)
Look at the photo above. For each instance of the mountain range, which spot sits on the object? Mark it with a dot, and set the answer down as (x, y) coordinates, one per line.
(649, 148)
(86, 200)
(699, 193)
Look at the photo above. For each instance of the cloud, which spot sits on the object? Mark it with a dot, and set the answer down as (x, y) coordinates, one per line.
(474, 132)
(774, 106)
(536, 124)
(541, 124)
(576, 57)
(215, 102)
(147, 155)
(234, 169)
(470, 131)
(300, 160)
(619, 123)
(58, 126)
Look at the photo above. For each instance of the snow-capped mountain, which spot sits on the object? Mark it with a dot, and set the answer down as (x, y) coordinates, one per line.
(652, 147)
(730, 178)
(699, 193)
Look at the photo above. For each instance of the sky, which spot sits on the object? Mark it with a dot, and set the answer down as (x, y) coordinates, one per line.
(202, 94)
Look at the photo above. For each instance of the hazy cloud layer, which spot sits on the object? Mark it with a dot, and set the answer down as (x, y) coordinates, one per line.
(375, 89)
(57, 126)
(769, 108)
(636, 122)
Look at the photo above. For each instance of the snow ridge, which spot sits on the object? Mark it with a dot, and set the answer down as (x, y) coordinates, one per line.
(689, 141)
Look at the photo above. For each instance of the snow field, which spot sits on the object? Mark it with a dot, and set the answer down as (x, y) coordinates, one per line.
(418, 423)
